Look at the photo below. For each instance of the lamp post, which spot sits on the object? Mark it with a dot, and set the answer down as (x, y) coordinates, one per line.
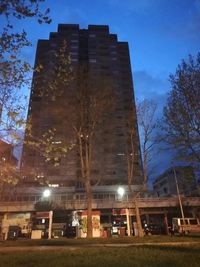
(121, 192)
(46, 194)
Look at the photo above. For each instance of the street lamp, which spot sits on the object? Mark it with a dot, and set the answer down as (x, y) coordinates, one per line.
(46, 194)
(121, 191)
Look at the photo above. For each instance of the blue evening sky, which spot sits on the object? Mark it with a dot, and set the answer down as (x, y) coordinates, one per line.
(160, 34)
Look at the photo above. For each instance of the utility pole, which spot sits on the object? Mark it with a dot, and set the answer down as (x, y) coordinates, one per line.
(179, 197)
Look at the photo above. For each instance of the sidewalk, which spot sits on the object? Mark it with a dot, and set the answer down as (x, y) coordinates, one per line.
(77, 247)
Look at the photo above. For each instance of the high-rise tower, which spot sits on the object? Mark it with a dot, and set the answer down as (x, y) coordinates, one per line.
(97, 60)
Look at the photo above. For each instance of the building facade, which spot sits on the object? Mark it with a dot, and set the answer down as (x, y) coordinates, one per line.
(84, 83)
(165, 184)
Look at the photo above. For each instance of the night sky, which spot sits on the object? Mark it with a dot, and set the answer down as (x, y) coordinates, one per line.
(160, 34)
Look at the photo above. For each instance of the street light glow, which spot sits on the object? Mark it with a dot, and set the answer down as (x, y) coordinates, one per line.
(121, 191)
(46, 193)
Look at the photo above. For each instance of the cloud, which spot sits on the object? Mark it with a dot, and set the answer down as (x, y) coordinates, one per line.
(147, 86)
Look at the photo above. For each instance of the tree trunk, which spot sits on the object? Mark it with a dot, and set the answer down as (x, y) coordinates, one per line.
(89, 209)
(145, 165)
(138, 220)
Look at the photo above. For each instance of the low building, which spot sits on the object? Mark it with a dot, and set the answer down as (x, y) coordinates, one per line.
(165, 184)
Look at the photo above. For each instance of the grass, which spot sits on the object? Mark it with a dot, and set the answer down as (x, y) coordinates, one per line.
(165, 256)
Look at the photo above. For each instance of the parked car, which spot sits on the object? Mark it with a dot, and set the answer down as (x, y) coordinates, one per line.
(186, 225)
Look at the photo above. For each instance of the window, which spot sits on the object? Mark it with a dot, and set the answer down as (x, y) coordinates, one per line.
(53, 45)
(73, 54)
(75, 47)
(92, 60)
(74, 40)
(69, 197)
(63, 198)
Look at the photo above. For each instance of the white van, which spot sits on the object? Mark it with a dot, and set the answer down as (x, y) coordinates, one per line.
(185, 225)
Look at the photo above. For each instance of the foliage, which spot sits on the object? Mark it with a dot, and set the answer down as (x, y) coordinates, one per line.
(9, 174)
(182, 111)
(55, 77)
(46, 145)
(13, 70)
(15, 73)
(50, 89)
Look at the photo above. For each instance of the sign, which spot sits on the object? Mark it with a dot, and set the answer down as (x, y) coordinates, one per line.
(42, 214)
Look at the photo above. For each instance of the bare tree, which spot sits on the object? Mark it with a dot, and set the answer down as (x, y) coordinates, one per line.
(181, 122)
(131, 155)
(146, 112)
(146, 121)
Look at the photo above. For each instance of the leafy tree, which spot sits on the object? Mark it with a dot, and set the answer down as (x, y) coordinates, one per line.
(9, 174)
(51, 90)
(182, 111)
(92, 102)
(14, 71)
(88, 103)
(46, 148)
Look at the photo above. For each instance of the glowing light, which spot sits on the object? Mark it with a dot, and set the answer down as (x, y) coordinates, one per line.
(121, 191)
(46, 193)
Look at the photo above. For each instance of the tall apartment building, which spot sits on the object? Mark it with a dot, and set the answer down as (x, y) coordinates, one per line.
(107, 64)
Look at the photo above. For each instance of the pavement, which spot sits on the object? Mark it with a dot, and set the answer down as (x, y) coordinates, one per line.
(75, 247)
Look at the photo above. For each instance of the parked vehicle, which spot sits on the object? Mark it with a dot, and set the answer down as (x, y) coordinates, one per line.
(185, 225)
(13, 232)
(12, 222)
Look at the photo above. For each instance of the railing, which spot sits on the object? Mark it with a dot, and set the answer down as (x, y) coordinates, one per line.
(145, 203)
